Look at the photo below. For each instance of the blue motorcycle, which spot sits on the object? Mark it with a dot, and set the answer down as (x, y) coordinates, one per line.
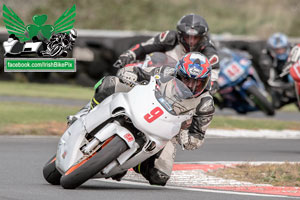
(240, 86)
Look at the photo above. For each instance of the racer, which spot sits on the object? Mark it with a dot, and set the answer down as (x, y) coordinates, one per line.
(194, 70)
(291, 69)
(192, 35)
(272, 61)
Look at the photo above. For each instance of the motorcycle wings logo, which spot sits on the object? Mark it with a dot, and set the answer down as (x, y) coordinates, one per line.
(39, 38)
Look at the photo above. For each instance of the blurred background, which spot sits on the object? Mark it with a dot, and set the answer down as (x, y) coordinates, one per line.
(238, 17)
(39, 103)
(106, 28)
(237, 23)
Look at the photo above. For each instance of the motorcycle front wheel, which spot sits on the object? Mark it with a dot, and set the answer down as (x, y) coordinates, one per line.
(50, 173)
(86, 169)
(260, 100)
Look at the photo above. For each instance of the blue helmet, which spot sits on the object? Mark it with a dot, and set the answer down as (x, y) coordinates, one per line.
(278, 46)
(194, 70)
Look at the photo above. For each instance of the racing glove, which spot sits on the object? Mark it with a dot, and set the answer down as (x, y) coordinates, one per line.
(131, 75)
(124, 59)
(190, 141)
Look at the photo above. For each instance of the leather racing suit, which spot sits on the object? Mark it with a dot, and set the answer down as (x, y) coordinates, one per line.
(157, 169)
(168, 43)
(281, 90)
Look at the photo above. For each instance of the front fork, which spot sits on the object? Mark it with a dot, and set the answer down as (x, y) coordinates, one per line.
(111, 130)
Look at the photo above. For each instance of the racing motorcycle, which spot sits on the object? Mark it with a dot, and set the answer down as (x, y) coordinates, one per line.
(295, 74)
(292, 71)
(240, 86)
(122, 131)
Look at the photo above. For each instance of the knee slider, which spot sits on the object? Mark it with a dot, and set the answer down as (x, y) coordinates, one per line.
(106, 82)
(158, 177)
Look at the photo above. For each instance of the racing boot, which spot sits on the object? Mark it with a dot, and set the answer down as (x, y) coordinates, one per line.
(157, 169)
(119, 176)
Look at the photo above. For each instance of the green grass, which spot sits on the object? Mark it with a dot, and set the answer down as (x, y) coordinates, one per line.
(45, 90)
(254, 124)
(33, 119)
(248, 17)
(28, 118)
(289, 108)
(65, 92)
(27, 113)
(287, 174)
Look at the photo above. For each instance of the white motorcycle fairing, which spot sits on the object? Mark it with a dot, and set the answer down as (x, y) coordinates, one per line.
(147, 115)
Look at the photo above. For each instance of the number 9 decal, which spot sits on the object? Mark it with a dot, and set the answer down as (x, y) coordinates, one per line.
(154, 114)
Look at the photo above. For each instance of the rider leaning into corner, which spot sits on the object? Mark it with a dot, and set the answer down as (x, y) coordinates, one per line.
(196, 69)
(272, 61)
(191, 36)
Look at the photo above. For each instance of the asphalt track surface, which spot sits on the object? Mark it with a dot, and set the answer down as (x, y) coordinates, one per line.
(22, 160)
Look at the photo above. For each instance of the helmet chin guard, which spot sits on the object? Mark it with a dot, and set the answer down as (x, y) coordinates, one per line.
(194, 70)
(278, 46)
(192, 32)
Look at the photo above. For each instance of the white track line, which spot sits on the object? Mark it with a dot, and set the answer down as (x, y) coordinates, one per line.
(236, 162)
(136, 183)
(242, 133)
(193, 189)
(220, 133)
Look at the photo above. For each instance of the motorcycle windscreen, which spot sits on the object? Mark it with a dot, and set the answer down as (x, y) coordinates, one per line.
(172, 95)
(158, 59)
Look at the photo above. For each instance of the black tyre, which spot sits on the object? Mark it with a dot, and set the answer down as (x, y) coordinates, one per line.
(260, 100)
(51, 174)
(81, 172)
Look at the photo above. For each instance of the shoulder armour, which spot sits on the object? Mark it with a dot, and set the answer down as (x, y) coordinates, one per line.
(206, 106)
(167, 37)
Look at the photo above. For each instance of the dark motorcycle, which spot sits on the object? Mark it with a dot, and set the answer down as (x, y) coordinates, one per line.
(240, 86)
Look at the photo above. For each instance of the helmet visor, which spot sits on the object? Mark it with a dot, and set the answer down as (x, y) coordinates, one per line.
(193, 41)
(195, 85)
(279, 51)
(195, 29)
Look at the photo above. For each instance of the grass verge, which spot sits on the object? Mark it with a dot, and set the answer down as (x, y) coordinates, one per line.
(33, 119)
(65, 92)
(252, 17)
(45, 90)
(40, 119)
(226, 122)
(41, 128)
(287, 174)
(289, 108)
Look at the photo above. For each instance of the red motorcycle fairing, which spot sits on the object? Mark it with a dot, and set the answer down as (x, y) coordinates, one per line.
(295, 73)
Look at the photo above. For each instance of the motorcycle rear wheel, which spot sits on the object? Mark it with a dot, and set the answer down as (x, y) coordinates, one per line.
(260, 100)
(51, 174)
(86, 169)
